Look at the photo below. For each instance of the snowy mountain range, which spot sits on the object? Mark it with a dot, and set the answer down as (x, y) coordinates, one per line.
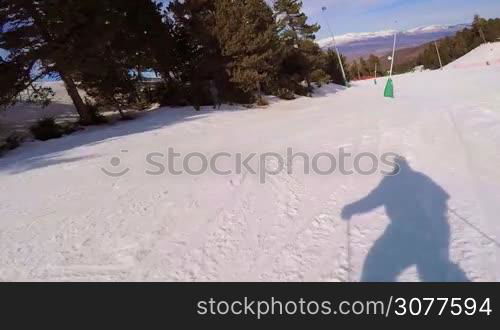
(355, 45)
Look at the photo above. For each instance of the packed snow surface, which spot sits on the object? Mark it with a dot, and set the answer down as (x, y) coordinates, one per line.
(63, 219)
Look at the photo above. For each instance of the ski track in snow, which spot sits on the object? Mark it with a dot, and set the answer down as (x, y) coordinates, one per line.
(61, 219)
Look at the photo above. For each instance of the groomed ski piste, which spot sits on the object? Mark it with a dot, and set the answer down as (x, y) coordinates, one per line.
(63, 219)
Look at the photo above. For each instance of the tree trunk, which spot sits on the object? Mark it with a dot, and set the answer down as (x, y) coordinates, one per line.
(119, 107)
(81, 108)
(259, 92)
(309, 87)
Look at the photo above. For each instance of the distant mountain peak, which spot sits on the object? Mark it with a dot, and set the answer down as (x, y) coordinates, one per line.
(353, 37)
(361, 44)
(362, 36)
(437, 28)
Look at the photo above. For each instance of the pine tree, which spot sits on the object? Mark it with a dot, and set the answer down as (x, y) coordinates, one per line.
(91, 45)
(144, 37)
(35, 35)
(460, 45)
(198, 51)
(316, 61)
(246, 33)
(292, 22)
(334, 70)
(364, 68)
(372, 62)
(354, 70)
(303, 60)
(133, 38)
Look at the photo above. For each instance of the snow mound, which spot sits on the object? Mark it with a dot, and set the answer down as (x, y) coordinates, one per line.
(484, 55)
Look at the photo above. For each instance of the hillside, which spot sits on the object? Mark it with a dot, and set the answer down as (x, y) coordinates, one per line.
(403, 56)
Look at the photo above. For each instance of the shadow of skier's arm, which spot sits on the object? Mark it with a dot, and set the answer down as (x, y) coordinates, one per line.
(375, 199)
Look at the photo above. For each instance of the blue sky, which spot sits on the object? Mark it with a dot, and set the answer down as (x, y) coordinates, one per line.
(375, 15)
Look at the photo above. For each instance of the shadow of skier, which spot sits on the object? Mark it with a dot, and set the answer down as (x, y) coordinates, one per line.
(419, 233)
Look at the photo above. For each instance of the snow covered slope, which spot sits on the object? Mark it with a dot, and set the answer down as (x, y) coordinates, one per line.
(61, 218)
(486, 54)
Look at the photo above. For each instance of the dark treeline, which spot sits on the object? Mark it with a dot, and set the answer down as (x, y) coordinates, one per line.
(452, 48)
(361, 69)
(203, 51)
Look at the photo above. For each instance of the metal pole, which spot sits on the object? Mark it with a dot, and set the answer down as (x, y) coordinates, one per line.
(335, 46)
(439, 55)
(375, 73)
(393, 53)
(481, 32)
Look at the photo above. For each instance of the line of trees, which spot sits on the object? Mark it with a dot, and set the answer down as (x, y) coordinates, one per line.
(362, 68)
(452, 48)
(101, 50)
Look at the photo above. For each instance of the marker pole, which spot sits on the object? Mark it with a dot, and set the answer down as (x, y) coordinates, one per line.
(389, 87)
(439, 55)
(393, 53)
(335, 46)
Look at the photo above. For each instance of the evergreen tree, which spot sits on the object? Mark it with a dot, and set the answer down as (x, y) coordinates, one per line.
(198, 51)
(92, 45)
(292, 22)
(302, 60)
(460, 45)
(372, 62)
(354, 70)
(246, 33)
(144, 37)
(35, 35)
(133, 38)
(364, 68)
(333, 68)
